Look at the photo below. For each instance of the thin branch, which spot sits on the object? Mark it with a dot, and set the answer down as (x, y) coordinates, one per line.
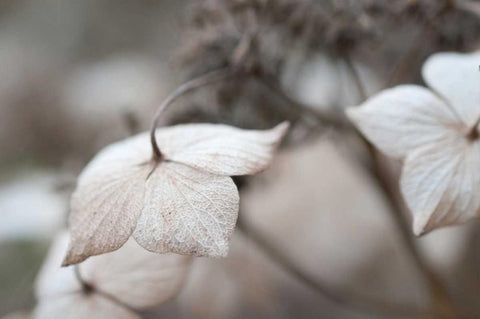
(341, 298)
(436, 286)
(356, 77)
(408, 58)
(237, 60)
(304, 110)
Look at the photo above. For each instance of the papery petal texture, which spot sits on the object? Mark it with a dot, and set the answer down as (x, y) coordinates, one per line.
(129, 278)
(104, 212)
(108, 199)
(436, 133)
(441, 184)
(401, 119)
(456, 77)
(136, 277)
(188, 211)
(221, 149)
(187, 200)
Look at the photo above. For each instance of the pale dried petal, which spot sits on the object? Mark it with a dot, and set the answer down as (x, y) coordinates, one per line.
(221, 149)
(441, 183)
(53, 280)
(401, 119)
(188, 212)
(456, 77)
(104, 212)
(108, 199)
(130, 152)
(111, 191)
(136, 277)
(78, 306)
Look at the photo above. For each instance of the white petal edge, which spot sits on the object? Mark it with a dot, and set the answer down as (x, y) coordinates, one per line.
(456, 77)
(403, 118)
(108, 199)
(188, 212)
(138, 278)
(104, 212)
(441, 184)
(221, 149)
(132, 275)
(130, 152)
(53, 280)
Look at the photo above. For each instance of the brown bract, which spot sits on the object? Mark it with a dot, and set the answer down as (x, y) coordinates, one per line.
(186, 203)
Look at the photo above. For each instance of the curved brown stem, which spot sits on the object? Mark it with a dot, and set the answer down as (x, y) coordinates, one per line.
(205, 79)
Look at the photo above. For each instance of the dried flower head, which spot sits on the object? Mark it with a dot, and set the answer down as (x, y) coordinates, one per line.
(184, 202)
(436, 132)
(219, 28)
(450, 24)
(114, 285)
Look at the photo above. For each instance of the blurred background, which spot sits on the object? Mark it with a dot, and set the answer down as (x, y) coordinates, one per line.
(78, 75)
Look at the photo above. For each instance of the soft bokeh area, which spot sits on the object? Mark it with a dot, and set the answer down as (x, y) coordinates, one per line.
(78, 75)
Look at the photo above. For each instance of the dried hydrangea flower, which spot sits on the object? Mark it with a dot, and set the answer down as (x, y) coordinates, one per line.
(436, 132)
(182, 200)
(113, 285)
